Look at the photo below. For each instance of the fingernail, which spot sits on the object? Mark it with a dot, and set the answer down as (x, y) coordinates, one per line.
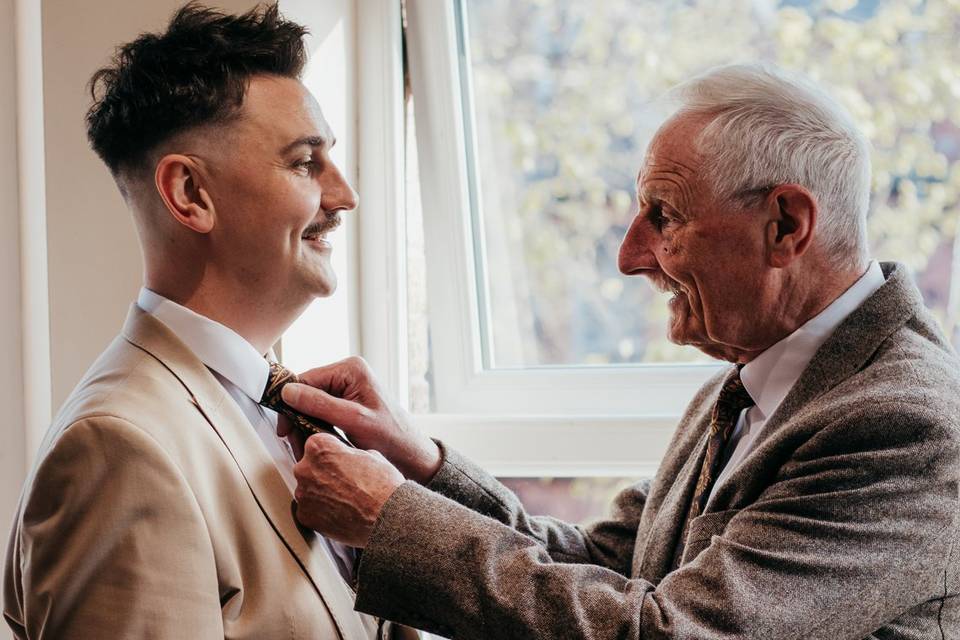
(290, 393)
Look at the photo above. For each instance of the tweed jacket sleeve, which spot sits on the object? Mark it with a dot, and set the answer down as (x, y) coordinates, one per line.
(858, 522)
(609, 543)
(113, 543)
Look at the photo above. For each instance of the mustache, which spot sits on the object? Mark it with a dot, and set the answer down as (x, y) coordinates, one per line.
(664, 283)
(331, 222)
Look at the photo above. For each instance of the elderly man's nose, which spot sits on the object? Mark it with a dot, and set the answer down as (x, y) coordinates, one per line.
(636, 250)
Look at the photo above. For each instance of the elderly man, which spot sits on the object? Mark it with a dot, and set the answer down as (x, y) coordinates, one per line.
(810, 491)
(160, 502)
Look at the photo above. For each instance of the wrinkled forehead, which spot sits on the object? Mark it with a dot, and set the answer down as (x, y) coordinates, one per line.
(671, 161)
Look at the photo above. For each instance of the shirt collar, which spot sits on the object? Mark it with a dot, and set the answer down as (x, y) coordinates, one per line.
(219, 348)
(769, 377)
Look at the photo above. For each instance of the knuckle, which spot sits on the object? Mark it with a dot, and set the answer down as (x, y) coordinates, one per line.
(358, 363)
(313, 446)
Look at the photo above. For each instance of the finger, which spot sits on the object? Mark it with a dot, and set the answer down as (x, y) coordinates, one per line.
(377, 455)
(297, 440)
(284, 426)
(319, 404)
(336, 378)
(320, 443)
(292, 434)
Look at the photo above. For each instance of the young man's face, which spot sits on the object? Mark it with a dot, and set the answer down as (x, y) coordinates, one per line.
(277, 193)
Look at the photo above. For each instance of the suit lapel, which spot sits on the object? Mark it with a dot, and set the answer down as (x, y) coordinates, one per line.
(253, 461)
(667, 527)
(846, 351)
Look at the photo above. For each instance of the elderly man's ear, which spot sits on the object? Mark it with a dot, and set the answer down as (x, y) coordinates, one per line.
(792, 219)
(179, 181)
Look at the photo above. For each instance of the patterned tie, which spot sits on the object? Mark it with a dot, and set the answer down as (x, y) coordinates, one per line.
(733, 399)
(278, 378)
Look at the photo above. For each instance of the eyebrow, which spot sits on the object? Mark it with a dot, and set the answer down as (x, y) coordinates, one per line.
(309, 141)
(653, 196)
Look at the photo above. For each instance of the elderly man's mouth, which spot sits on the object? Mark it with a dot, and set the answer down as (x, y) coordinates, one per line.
(664, 284)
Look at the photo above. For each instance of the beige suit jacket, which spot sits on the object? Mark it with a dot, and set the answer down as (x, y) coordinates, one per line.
(154, 511)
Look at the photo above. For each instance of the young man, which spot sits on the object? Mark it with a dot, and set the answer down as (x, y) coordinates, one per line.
(160, 502)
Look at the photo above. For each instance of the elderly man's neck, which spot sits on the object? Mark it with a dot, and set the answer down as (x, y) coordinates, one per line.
(258, 319)
(802, 294)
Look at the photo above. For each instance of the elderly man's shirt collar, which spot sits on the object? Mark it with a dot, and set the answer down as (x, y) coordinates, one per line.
(769, 377)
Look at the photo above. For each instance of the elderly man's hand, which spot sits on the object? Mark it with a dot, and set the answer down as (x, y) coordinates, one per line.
(347, 395)
(341, 490)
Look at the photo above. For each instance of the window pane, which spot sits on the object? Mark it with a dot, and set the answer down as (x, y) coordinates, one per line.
(558, 91)
(577, 500)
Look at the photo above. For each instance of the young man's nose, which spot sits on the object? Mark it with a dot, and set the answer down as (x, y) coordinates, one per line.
(338, 195)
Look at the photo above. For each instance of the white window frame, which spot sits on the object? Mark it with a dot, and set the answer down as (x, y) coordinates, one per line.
(546, 421)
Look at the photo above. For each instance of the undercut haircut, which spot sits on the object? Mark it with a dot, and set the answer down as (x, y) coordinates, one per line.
(193, 74)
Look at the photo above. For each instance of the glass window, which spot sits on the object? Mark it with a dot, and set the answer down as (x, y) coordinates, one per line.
(577, 500)
(556, 96)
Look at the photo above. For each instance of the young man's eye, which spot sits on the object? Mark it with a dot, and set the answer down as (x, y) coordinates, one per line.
(306, 164)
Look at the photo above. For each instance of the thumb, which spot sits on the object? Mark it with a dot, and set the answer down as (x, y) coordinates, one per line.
(320, 404)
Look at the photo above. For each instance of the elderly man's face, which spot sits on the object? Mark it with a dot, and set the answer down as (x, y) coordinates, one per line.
(277, 192)
(710, 257)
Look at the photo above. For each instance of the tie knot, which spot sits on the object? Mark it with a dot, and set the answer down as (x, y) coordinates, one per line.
(278, 377)
(733, 397)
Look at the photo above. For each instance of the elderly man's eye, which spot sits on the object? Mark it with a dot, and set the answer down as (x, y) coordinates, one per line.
(658, 217)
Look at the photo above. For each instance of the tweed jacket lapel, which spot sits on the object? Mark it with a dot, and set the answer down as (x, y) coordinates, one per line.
(655, 559)
(844, 353)
(267, 486)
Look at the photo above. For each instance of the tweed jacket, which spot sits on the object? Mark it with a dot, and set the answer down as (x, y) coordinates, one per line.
(840, 524)
(154, 511)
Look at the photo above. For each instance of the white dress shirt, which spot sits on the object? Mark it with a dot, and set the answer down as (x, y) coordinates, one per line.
(769, 377)
(243, 373)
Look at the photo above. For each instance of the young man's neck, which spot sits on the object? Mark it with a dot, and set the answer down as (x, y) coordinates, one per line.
(260, 322)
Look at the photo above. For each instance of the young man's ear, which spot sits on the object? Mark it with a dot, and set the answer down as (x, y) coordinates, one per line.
(179, 182)
(790, 229)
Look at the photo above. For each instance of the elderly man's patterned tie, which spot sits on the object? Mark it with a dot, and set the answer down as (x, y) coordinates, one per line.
(733, 399)
(278, 378)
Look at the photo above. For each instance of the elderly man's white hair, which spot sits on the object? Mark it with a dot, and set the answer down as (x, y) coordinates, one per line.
(774, 128)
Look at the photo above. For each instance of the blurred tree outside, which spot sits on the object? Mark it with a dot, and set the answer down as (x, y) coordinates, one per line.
(562, 93)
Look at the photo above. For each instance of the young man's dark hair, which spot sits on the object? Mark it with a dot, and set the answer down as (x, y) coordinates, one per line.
(194, 73)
